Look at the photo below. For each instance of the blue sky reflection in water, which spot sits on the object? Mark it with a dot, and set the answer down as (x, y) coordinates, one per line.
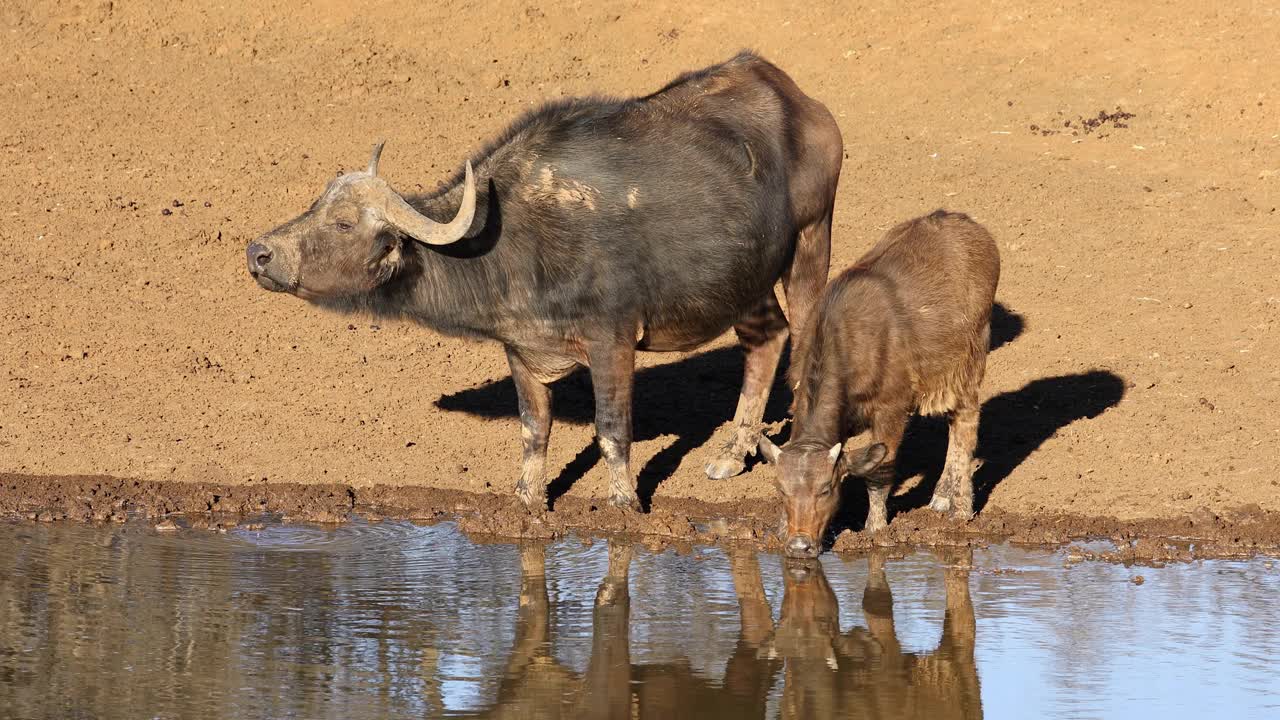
(390, 620)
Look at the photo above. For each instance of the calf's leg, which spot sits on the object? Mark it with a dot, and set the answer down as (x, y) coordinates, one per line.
(954, 491)
(613, 368)
(887, 427)
(763, 333)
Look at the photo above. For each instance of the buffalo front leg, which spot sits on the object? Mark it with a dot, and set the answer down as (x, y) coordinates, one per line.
(613, 368)
(763, 333)
(535, 429)
(888, 427)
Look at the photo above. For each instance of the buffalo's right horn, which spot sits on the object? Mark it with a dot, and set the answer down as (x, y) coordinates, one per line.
(409, 221)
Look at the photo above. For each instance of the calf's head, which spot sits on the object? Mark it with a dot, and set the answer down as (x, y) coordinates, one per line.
(350, 240)
(808, 478)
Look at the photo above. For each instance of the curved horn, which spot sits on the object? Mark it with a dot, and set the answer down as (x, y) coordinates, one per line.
(373, 159)
(427, 231)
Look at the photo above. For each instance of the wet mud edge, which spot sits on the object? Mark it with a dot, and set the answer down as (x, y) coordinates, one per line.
(1242, 532)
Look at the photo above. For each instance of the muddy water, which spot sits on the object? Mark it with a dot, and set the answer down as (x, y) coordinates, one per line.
(393, 620)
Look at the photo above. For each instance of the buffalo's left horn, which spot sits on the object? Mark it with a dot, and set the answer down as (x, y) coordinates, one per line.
(373, 159)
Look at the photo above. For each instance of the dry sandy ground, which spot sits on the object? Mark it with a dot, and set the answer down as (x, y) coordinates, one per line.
(144, 144)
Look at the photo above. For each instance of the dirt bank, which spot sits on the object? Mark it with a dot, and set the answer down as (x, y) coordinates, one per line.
(1241, 532)
(1126, 157)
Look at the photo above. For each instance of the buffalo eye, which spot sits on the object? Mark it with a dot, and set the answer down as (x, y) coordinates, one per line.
(343, 226)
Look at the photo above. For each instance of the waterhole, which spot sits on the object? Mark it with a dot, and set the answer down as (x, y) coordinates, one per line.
(395, 620)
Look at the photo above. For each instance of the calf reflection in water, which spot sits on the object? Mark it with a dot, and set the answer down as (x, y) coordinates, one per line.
(864, 672)
(860, 673)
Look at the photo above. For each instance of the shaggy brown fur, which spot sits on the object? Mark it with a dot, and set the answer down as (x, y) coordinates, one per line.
(905, 329)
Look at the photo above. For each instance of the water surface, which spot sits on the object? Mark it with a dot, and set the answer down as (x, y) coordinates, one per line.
(393, 620)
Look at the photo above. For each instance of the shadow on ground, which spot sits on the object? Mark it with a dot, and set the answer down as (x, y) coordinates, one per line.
(1012, 426)
(687, 399)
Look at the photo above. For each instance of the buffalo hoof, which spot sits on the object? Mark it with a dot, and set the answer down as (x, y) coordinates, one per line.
(961, 514)
(625, 502)
(725, 467)
(940, 504)
(534, 502)
(874, 525)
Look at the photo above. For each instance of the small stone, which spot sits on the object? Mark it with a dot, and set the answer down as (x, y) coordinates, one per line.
(1138, 579)
(167, 525)
(166, 211)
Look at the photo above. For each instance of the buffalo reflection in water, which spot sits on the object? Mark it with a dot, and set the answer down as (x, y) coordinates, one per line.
(863, 672)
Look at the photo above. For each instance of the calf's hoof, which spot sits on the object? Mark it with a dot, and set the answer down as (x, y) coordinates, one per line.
(962, 514)
(874, 525)
(625, 501)
(940, 504)
(725, 467)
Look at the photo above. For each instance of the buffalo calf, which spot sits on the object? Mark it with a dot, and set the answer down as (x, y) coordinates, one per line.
(905, 329)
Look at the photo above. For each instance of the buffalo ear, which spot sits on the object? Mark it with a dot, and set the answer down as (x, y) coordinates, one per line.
(861, 463)
(770, 451)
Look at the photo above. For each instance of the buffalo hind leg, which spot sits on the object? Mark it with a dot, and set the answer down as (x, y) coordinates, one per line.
(763, 333)
(954, 492)
(613, 367)
(807, 276)
(534, 397)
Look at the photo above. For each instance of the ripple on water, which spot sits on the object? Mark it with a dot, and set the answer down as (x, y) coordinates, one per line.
(392, 619)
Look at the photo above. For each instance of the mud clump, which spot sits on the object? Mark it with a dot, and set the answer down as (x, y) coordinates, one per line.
(1117, 120)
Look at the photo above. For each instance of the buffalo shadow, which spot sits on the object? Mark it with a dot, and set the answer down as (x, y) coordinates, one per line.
(689, 399)
(1012, 425)
(1006, 325)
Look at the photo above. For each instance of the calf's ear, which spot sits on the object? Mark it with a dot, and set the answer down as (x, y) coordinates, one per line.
(861, 463)
(769, 450)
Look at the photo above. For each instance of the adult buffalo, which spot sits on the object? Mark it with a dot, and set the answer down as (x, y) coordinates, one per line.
(593, 228)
